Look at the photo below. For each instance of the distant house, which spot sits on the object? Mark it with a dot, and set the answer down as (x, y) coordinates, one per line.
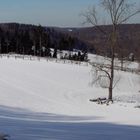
(131, 56)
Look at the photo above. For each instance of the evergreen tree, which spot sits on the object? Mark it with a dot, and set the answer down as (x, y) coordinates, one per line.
(55, 53)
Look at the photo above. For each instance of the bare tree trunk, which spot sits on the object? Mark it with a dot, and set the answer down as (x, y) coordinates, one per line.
(110, 92)
(111, 79)
(122, 63)
(40, 45)
(113, 44)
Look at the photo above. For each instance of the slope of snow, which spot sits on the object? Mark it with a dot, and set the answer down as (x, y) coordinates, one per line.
(47, 100)
(104, 60)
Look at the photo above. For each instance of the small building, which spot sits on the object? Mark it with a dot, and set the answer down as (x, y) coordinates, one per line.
(131, 57)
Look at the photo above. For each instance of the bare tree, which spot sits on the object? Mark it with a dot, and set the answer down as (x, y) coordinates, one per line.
(119, 11)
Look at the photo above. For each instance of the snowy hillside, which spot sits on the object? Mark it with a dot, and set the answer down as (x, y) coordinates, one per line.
(42, 100)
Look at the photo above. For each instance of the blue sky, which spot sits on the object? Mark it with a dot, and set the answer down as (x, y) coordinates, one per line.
(45, 12)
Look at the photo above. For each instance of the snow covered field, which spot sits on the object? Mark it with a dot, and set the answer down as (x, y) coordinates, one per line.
(44, 100)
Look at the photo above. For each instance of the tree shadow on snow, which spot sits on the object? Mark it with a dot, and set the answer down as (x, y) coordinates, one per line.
(26, 125)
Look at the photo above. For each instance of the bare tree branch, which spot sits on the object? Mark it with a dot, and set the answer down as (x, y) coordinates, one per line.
(128, 17)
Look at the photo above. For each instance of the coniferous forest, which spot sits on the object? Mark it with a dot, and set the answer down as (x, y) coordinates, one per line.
(38, 41)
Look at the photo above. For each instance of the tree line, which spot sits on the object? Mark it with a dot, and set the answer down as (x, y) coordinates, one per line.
(36, 40)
